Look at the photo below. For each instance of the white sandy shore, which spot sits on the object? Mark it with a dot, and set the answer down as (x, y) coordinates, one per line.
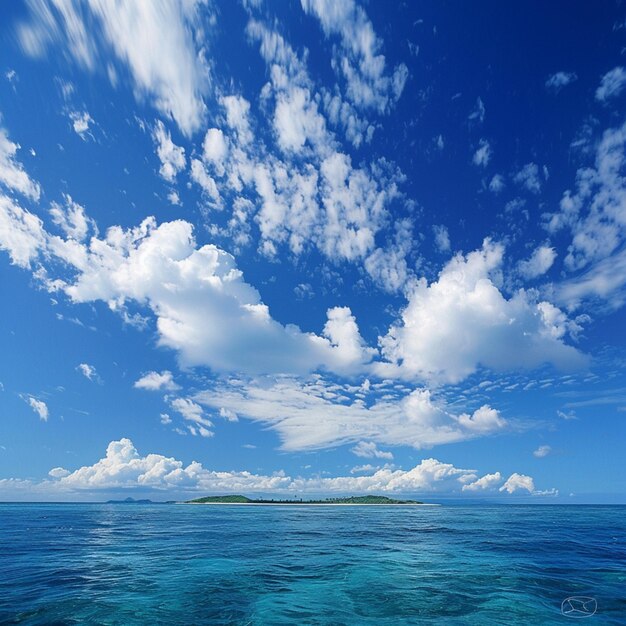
(302, 504)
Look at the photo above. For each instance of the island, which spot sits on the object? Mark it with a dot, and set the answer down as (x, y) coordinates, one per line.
(352, 500)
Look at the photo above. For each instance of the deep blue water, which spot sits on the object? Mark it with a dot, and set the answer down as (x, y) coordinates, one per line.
(179, 564)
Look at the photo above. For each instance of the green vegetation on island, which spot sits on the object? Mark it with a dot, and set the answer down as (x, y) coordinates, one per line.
(238, 499)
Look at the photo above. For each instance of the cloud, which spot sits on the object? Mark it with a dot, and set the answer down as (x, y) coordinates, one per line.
(595, 215)
(369, 450)
(72, 219)
(12, 173)
(80, 123)
(557, 81)
(58, 472)
(160, 43)
(486, 483)
(368, 85)
(38, 406)
(316, 413)
(464, 308)
(538, 264)
(483, 154)
(193, 413)
(518, 482)
(478, 114)
(542, 451)
(172, 157)
(496, 185)
(155, 381)
(123, 467)
(442, 238)
(88, 371)
(22, 234)
(612, 84)
(528, 177)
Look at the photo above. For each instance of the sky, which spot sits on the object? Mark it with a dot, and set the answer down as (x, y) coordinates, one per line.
(313, 247)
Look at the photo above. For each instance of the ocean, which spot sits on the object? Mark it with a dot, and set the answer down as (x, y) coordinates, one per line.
(180, 564)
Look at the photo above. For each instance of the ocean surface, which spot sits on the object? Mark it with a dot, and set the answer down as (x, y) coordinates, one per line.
(181, 564)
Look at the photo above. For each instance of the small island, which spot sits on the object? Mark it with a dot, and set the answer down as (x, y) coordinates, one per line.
(352, 500)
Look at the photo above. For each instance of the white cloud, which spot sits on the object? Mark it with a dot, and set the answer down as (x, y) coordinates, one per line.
(464, 308)
(12, 173)
(72, 219)
(200, 176)
(80, 123)
(486, 483)
(215, 148)
(496, 185)
(360, 61)
(88, 371)
(174, 198)
(39, 406)
(58, 472)
(155, 381)
(612, 84)
(165, 419)
(315, 414)
(22, 234)
(478, 113)
(160, 42)
(442, 238)
(483, 154)
(542, 451)
(557, 81)
(172, 157)
(193, 412)
(539, 262)
(528, 177)
(369, 450)
(124, 468)
(595, 214)
(518, 482)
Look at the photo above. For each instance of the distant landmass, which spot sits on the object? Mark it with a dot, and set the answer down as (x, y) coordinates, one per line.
(129, 501)
(237, 499)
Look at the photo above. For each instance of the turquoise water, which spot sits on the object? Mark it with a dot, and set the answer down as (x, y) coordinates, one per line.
(177, 564)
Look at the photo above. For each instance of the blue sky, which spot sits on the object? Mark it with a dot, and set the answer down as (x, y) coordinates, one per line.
(312, 247)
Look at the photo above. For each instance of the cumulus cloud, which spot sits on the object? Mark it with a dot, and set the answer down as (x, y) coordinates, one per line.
(528, 178)
(193, 412)
(612, 84)
(485, 483)
(72, 219)
(123, 467)
(317, 413)
(540, 261)
(518, 482)
(483, 154)
(542, 451)
(172, 157)
(369, 450)
(461, 321)
(80, 123)
(496, 185)
(155, 381)
(595, 214)
(442, 238)
(38, 406)
(557, 81)
(160, 43)
(22, 234)
(12, 173)
(88, 371)
(368, 84)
